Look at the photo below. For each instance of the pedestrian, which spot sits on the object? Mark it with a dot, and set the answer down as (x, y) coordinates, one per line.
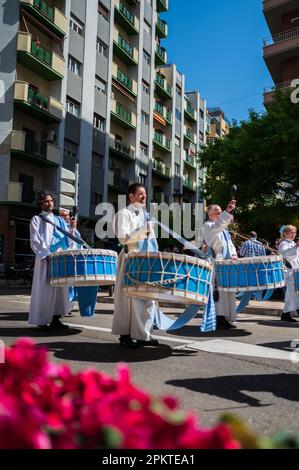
(133, 319)
(290, 252)
(218, 239)
(47, 303)
(252, 247)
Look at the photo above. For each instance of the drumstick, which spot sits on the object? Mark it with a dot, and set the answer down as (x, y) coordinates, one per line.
(67, 234)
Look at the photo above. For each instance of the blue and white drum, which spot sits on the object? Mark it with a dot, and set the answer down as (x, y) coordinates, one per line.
(296, 278)
(167, 276)
(250, 274)
(83, 268)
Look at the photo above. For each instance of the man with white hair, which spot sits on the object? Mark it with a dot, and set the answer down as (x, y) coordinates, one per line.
(220, 245)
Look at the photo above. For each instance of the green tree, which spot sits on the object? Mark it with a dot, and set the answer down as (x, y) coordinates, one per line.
(261, 156)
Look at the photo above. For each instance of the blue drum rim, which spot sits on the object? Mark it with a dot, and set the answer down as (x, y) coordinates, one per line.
(275, 285)
(167, 256)
(176, 298)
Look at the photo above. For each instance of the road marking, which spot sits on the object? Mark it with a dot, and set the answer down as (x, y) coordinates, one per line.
(108, 330)
(223, 346)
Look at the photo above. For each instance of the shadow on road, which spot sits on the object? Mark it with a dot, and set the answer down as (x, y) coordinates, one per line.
(14, 316)
(110, 352)
(235, 387)
(194, 332)
(34, 332)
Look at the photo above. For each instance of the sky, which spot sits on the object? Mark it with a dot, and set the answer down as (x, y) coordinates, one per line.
(218, 46)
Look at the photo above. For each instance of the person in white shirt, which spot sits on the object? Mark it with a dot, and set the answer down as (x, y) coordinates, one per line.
(133, 319)
(218, 239)
(290, 252)
(47, 303)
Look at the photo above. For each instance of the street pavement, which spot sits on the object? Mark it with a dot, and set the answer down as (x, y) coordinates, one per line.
(251, 371)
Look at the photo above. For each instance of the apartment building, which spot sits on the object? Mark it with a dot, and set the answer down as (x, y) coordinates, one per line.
(281, 49)
(87, 82)
(218, 124)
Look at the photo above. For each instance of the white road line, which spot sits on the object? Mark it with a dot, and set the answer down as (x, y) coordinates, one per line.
(108, 330)
(223, 346)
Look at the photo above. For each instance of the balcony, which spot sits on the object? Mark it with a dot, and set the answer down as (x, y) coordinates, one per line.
(189, 184)
(123, 50)
(125, 18)
(162, 5)
(52, 18)
(189, 160)
(189, 135)
(43, 154)
(43, 108)
(160, 56)
(120, 77)
(162, 87)
(122, 116)
(269, 92)
(161, 168)
(190, 112)
(162, 111)
(275, 9)
(161, 142)
(280, 47)
(161, 28)
(45, 63)
(117, 183)
(121, 150)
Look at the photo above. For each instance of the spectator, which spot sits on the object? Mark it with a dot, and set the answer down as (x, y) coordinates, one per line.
(252, 247)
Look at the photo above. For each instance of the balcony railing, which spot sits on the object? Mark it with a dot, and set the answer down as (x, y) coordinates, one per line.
(162, 27)
(129, 16)
(161, 53)
(161, 167)
(278, 86)
(189, 183)
(163, 111)
(122, 115)
(283, 36)
(125, 46)
(126, 81)
(124, 149)
(48, 15)
(21, 143)
(162, 140)
(162, 5)
(45, 108)
(161, 81)
(190, 160)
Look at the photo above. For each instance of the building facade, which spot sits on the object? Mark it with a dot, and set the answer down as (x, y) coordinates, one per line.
(218, 124)
(88, 82)
(281, 49)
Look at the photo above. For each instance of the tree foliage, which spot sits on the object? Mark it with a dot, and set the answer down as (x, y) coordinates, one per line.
(260, 155)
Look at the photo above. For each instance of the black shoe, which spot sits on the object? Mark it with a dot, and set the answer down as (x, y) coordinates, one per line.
(223, 324)
(287, 317)
(44, 327)
(127, 342)
(57, 325)
(152, 342)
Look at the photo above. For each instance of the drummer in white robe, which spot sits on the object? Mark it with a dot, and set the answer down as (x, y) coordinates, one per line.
(47, 303)
(290, 252)
(133, 319)
(218, 239)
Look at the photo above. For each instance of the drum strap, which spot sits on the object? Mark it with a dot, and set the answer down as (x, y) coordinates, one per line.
(65, 232)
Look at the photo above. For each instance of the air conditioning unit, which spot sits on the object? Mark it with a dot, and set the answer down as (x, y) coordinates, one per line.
(49, 136)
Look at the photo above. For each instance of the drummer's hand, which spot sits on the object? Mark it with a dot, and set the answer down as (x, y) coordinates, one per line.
(234, 257)
(231, 206)
(150, 227)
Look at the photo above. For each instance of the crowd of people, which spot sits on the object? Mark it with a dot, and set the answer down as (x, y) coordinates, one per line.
(133, 318)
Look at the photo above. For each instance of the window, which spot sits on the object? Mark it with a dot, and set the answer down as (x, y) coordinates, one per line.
(102, 48)
(144, 118)
(143, 150)
(95, 198)
(97, 160)
(178, 90)
(72, 107)
(200, 135)
(145, 87)
(103, 11)
(178, 115)
(100, 85)
(99, 122)
(74, 66)
(76, 25)
(201, 114)
(177, 169)
(147, 27)
(146, 57)
(142, 179)
(177, 141)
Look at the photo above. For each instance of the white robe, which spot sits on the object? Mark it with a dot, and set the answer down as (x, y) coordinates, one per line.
(46, 301)
(290, 252)
(214, 238)
(132, 317)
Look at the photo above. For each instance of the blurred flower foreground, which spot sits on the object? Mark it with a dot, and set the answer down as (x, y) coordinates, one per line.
(47, 406)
